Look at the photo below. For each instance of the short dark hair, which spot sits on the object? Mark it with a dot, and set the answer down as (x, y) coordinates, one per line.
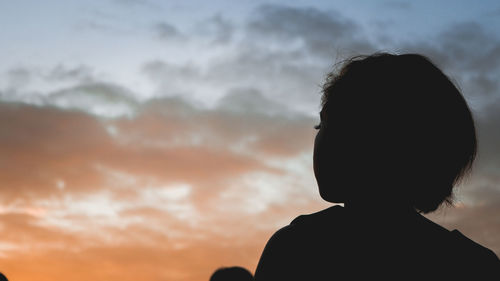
(401, 118)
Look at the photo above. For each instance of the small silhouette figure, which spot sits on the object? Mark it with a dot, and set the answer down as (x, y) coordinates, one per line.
(2, 277)
(395, 137)
(234, 273)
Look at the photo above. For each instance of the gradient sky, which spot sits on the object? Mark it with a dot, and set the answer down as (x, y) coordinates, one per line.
(160, 140)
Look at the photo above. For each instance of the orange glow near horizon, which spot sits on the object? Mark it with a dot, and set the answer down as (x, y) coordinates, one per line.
(143, 201)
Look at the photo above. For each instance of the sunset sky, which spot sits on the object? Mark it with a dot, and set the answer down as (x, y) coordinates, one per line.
(160, 140)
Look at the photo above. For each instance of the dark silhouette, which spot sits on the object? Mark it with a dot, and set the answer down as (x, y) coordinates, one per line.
(234, 273)
(395, 137)
(2, 277)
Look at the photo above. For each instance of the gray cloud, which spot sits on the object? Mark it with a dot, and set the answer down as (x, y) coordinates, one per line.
(469, 45)
(101, 99)
(18, 77)
(173, 78)
(285, 76)
(250, 101)
(280, 51)
(219, 28)
(167, 31)
(62, 72)
(23, 77)
(323, 34)
(469, 54)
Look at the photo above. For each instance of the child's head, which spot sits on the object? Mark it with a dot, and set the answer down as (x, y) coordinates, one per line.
(394, 129)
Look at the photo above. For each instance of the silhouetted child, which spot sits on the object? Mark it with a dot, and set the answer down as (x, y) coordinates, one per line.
(395, 137)
(234, 273)
(2, 277)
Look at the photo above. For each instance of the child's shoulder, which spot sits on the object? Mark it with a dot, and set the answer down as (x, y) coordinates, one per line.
(323, 216)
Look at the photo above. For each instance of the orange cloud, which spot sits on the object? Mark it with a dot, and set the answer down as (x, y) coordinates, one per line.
(160, 196)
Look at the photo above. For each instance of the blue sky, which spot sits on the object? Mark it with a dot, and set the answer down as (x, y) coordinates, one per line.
(101, 32)
(115, 39)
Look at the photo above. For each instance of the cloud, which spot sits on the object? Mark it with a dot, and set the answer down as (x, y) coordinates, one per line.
(223, 28)
(147, 191)
(146, 247)
(218, 28)
(281, 52)
(33, 84)
(101, 99)
(50, 151)
(174, 79)
(167, 31)
(283, 77)
(322, 33)
(18, 77)
(456, 50)
(62, 72)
